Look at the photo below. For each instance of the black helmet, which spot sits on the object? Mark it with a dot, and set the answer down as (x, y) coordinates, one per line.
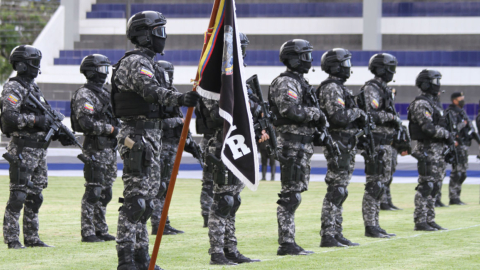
(143, 25)
(168, 67)
(428, 79)
(23, 56)
(94, 63)
(381, 63)
(296, 53)
(244, 43)
(336, 62)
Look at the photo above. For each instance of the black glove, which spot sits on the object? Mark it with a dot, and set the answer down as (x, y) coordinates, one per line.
(322, 122)
(363, 119)
(115, 132)
(43, 122)
(189, 99)
(65, 140)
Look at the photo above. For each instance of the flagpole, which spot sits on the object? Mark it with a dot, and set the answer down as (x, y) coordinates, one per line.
(180, 148)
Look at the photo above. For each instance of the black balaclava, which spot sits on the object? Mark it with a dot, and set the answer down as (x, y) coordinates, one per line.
(30, 74)
(387, 77)
(434, 89)
(99, 78)
(158, 44)
(461, 103)
(304, 67)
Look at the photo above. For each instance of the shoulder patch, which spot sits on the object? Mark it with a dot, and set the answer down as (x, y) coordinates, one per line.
(341, 101)
(428, 114)
(88, 106)
(12, 98)
(292, 94)
(146, 72)
(375, 103)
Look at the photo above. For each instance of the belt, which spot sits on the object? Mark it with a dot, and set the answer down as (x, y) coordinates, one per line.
(144, 124)
(383, 139)
(297, 138)
(31, 143)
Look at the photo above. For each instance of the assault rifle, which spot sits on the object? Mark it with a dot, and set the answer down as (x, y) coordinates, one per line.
(471, 129)
(402, 140)
(365, 136)
(266, 121)
(451, 155)
(56, 126)
(193, 148)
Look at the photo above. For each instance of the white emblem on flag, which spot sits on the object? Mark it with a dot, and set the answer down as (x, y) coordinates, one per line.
(237, 145)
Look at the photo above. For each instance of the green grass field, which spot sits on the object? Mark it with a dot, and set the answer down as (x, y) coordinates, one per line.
(457, 248)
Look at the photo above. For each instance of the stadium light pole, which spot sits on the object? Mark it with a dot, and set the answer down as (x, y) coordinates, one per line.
(181, 145)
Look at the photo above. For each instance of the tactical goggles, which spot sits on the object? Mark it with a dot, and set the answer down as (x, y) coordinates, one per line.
(34, 63)
(159, 31)
(346, 63)
(435, 81)
(307, 57)
(391, 69)
(102, 69)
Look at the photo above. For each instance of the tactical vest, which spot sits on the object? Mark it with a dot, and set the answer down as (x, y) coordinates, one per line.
(439, 118)
(348, 99)
(104, 114)
(307, 101)
(130, 103)
(387, 104)
(26, 108)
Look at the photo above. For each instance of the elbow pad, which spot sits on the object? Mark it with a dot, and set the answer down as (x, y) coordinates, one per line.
(296, 113)
(429, 129)
(150, 96)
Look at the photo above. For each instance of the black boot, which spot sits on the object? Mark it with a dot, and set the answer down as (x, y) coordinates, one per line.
(330, 241)
(306, 251)
(386, 207)
(205, 221)
(219, 259)
(345, 241)
(105, 237)
(390, 203)
(424, 227)
(372, 231)
(142, 259)
(170, 228)
(39, 243)
(92, 239)
(456, 202)
(438, 203)
(125, 258)
(15, 245)
(237, 257)
(167, 231)
(436, 226)
(382, 231)
(290, 249)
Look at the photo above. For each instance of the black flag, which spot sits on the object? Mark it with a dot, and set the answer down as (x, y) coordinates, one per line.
(221, 77)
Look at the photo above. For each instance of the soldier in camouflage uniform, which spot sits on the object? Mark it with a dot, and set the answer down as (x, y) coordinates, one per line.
(27, 150)
(92, 115)
(344, 117)
(290, 98)
(428, 127)
(138, 97)
(379, 101)
(465, 134)
(171, 131)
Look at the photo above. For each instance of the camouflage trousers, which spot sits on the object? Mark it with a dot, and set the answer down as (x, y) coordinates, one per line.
(425, 205)
(221, 230)
(30, 198)
(456, 181)
(167, 159)
(332, 218)
(206, 195)
(387, 195)
(371, 204)
(146, 185)
(290, 197)
(94, 207)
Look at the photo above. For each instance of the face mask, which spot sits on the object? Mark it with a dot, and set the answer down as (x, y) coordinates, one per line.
(461, 103)
(434, 89)
(344, 73)
(304, 67)
(31, 72)
(158, 44)
(100, 78)
(387, 77)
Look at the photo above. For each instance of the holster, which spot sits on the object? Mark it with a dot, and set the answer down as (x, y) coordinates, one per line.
(221, 176)
(138, 160)
(93, 171)
(375, 165)
(424, 164)
(343, 162)
(292, 170)
(19, 172)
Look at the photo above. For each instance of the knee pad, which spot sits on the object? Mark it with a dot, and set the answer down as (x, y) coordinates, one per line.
(237, 201)
(337, 194)
(106, 196)
(225, 204)
(463, 177)
(134, 208)
(436, 188)
(34, 201)
(375, 189)
(16, 201)
(291, 201)
(425, 189)
(162, 190)
(92, 194)
(148, 211)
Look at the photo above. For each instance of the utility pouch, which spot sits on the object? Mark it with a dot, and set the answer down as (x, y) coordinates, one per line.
(138, 160)
(101, 142)
(291, 172)
(93, 171)
(19, 172)
(343, 162)
(218, 170)
(424, 164)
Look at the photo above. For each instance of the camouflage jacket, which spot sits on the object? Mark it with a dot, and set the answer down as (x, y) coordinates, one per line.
(421, 112)
(376, 99)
